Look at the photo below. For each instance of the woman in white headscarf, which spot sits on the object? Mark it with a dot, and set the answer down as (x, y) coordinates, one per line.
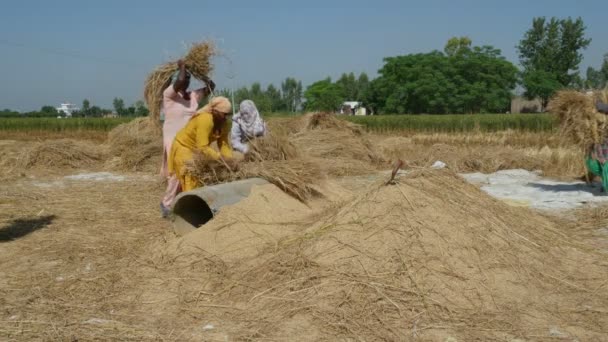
(247, 124)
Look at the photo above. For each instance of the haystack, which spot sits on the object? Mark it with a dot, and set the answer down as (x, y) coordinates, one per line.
(64, 153)
(579, 120)
(430, 258)
(341, 147)
(136, 146)
(198, 63)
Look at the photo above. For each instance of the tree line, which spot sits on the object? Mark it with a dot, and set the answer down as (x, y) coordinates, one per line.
(462, 78)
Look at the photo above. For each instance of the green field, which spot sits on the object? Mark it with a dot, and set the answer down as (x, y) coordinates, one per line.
(60, 125)
(382, 123)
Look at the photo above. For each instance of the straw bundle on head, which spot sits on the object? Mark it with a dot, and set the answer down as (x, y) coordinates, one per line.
(296, 177)
(198, 64)
(579, 120)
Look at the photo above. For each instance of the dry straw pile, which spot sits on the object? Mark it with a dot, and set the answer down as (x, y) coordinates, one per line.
(580, 122)
(135, 146)
(64, 153)
(198, 63)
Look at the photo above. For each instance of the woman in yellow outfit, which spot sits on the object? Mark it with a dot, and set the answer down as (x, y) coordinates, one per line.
(209, 125)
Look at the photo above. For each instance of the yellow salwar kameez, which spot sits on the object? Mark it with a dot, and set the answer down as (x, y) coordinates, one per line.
(197, 135)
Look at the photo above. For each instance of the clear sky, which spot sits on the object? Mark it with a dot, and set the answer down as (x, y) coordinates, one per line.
(67, 50)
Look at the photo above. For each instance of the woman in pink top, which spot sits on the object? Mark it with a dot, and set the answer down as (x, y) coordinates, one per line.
(178, 106)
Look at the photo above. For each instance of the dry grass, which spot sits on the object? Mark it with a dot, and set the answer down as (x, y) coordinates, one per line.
(64, 153)
(428, 258)
(135, 146)
(486, 153)
(198, 63)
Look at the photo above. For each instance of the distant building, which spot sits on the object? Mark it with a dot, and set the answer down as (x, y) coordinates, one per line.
(67, 109)
(110, 115)
(353, 108)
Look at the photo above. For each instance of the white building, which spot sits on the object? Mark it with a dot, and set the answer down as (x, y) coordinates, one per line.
(353, 108)
(67, 109)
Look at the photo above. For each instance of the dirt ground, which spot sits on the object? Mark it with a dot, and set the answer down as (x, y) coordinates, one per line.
(85, 255)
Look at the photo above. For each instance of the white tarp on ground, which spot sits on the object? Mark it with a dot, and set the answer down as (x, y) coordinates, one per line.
(522, 187)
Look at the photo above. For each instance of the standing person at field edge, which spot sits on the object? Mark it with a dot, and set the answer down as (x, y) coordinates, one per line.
(597, 155)
(210, 124)
(247, 124)
(179, 105)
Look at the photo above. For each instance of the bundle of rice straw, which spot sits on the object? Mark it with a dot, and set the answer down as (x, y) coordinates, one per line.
(579, 120)
(274, 146)
(64, 153)
(198, 63)
(296, 177)
(136, 146)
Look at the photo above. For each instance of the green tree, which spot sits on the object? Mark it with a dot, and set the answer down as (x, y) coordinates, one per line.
(95, 111)
(457, 45)
(49, 111)
(363, 85)
(473, 80)
(550, 53)
(259, 97)
(594, 79)
(604, 69)
(348, 87)
(292, 93)
(323, 95)
(141, 109)
(119, 106)
(274, 96)
(86, 107)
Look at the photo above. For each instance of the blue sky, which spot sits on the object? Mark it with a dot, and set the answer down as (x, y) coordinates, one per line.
(66, 50)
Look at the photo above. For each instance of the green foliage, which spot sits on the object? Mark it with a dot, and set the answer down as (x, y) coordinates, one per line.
(595, 79)
(457, 45)
(469, 80)
(291, 91)
(86, 108)
(7, 113)
(323, 95)
(119, 106)
(550, 54)
(456, 123)
(141, 109)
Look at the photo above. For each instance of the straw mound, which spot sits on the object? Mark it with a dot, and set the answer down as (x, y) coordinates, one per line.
(393, 263)
(341, 147)
(136, 146)
(579, 120)
(64, 153)
(198, 63)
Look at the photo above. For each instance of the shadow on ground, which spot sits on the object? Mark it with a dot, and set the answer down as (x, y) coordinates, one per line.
(22, 227)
